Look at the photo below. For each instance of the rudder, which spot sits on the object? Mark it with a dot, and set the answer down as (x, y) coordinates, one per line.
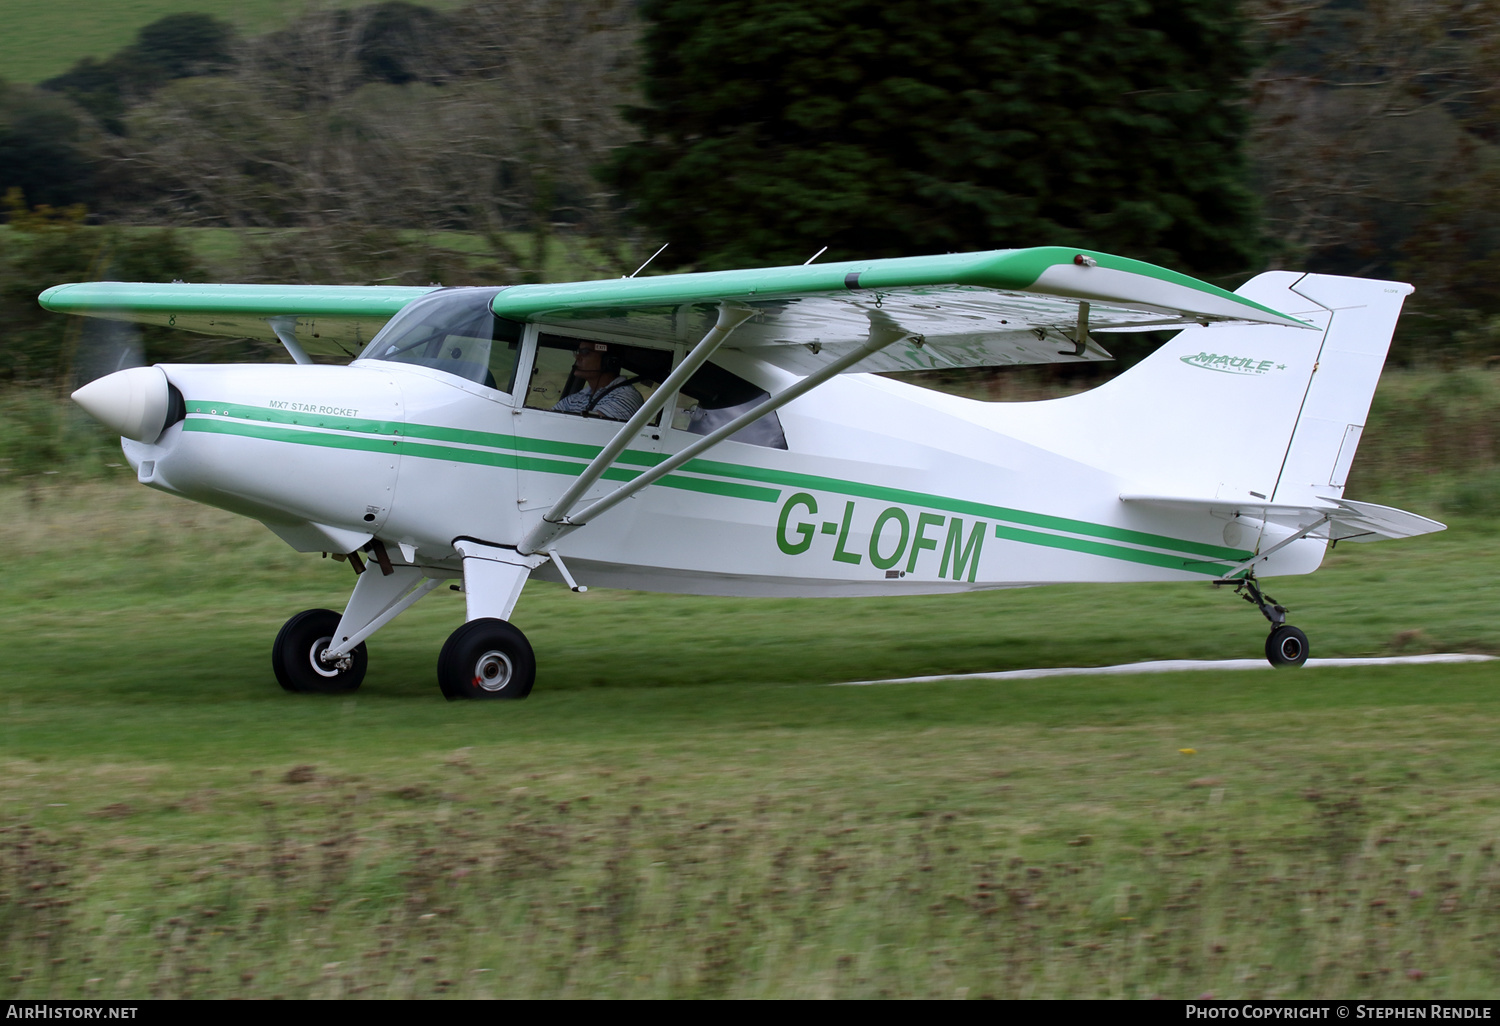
(1362, 319)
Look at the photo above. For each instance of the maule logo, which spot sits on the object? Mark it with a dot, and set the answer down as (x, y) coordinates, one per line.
(1232, 364)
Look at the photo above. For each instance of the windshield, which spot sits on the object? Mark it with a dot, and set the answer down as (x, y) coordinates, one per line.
(452, 330)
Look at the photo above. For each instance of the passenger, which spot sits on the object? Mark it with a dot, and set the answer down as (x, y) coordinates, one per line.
(606, 392)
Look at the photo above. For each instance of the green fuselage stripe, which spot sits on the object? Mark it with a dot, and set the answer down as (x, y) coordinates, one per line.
(482, 457)
(1094, 548)
(391, 436)
(976, 509)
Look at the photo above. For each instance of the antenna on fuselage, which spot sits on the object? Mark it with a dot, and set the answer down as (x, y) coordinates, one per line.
(650, 258)
(815, 256)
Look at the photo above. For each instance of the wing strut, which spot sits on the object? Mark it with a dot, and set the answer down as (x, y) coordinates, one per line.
(731, 316)
(1081, 336)
(883, 332)
(286, 330)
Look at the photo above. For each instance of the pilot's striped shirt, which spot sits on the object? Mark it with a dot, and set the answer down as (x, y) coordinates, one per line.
(618, 402)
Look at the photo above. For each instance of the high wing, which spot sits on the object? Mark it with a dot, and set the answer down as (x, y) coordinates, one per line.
(994, 308)
(329, 320)
(957, 310)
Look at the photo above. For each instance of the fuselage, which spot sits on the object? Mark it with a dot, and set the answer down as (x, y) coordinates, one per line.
(882, 488)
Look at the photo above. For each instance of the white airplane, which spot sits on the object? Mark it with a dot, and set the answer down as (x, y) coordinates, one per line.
(722, 434)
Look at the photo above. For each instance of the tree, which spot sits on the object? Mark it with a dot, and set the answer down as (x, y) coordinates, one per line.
(298, 137)
(45, 150)
(1374, 147)
(402, 42)
(173, 47)
(184, 46)
(44, 246)
(774, 127)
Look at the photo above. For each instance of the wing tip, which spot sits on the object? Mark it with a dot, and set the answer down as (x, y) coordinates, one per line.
(49, 297)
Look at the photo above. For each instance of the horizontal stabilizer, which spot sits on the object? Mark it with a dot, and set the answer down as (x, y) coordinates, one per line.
(1345, 519)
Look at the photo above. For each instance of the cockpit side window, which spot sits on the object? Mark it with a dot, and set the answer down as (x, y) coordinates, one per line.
(602, 380)
(455, 331)
(714, 396)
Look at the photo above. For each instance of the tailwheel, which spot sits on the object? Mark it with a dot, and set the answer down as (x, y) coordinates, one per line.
(1287, 646)
(486, 658)
(295, 655)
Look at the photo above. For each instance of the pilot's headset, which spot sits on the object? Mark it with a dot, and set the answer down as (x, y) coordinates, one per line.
(609, 359)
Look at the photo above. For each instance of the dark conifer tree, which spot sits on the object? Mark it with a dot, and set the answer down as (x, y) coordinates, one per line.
(773, 127)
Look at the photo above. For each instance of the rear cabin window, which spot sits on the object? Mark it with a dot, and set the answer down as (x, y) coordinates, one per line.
(714, 396)
(453, 330)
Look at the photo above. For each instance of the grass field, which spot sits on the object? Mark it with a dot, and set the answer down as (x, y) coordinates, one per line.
(43, 38)
(681, 809)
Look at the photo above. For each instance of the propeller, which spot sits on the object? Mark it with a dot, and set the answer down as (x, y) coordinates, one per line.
(112, 382)
(104, 347)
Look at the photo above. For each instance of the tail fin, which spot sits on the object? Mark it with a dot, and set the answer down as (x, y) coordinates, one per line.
(1362, 316)
(1252, 412)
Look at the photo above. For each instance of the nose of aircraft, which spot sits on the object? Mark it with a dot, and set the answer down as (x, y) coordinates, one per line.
(132, 403)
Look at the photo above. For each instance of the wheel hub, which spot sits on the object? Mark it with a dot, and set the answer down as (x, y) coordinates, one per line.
(324, 666)
(493, 670)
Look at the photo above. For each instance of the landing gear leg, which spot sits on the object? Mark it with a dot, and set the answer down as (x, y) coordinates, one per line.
(488, 658)
(297, 656)
(1286, 646)
(320, 650)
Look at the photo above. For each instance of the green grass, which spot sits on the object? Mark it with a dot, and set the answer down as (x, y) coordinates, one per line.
(681, 809)
(43, 38)
(1433, 435)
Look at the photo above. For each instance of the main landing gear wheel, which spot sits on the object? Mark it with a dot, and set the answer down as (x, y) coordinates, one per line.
(484, 659)
(1287, 646)
(294, 656)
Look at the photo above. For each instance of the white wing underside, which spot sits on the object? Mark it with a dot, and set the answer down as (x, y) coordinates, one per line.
(958, 326)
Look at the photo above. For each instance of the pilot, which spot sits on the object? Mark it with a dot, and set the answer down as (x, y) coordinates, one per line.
(606, 392)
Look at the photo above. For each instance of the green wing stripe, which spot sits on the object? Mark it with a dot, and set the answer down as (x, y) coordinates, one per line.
(253, 300)
(1004, 269)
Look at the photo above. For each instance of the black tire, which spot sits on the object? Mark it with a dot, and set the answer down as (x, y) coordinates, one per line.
(486, 659)
(1287, 646)
(294, 656)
